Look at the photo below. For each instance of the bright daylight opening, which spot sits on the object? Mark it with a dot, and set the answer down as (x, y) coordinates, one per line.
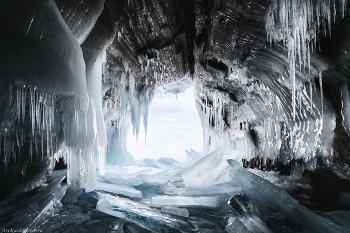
(173, 127)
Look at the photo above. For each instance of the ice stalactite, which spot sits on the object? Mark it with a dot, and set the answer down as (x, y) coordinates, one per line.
(296, 23)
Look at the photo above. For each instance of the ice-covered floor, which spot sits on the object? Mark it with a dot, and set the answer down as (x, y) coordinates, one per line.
(215, 194)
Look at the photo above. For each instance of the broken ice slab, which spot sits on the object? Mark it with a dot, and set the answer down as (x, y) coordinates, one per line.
(26, 210)
(201, 191)
(175, 211)
(210, 170)
(119, 189)
(211, 202)
(272, 201)
(141, 213)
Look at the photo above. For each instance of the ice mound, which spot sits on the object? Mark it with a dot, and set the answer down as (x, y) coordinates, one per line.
(210, 170)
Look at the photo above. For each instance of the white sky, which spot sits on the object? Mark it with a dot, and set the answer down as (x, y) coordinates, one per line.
(173, 127)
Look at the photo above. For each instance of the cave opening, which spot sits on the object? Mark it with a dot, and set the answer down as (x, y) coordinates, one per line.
(173, 127)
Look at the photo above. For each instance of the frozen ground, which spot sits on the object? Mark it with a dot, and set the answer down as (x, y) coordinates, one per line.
(153, 197)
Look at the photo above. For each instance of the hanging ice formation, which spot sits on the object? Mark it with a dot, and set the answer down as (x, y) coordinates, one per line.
(296, 23)
(124, 104)
(35, 118)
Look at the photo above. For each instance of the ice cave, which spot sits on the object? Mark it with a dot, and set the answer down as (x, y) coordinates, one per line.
(270, 85)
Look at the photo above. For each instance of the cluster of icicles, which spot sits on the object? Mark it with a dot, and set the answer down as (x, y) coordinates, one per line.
(44, 113)
(127, 100)
(41, 118)
(296, 23)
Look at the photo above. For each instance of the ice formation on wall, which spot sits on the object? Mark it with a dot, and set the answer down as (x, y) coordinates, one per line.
(266, 101)
(296, 23)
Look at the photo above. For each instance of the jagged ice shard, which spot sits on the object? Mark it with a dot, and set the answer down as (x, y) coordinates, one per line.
(270, 80)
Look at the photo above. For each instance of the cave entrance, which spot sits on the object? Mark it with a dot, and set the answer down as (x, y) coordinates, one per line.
(173, 127)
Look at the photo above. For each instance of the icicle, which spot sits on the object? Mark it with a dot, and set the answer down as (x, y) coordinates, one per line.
(31, 150)
(321, 90)
(11, 94)
(32, 110)
(23, 101)
(19, 105)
